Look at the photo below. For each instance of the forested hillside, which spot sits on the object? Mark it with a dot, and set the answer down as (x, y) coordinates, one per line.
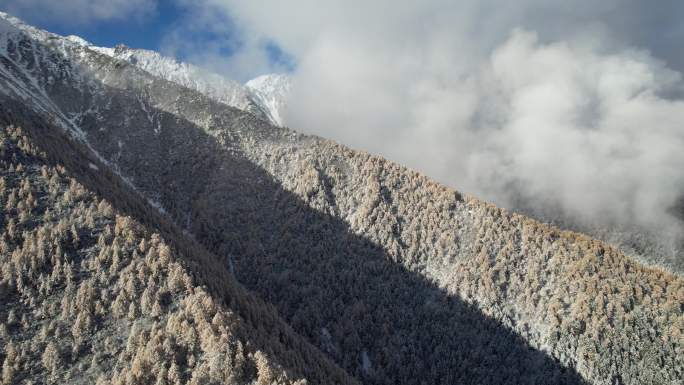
(91, 295)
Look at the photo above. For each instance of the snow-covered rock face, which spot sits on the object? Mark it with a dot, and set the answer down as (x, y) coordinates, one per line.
(271, 92)
(263, 96)
(215, 86)
(29, 70)
(78, 40)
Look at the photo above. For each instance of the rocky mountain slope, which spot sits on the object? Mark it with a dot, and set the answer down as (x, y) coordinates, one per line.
(395, 278)
(263, 96)
(212, 85)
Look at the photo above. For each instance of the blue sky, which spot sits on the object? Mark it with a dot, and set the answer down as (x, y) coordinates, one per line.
(147, 32)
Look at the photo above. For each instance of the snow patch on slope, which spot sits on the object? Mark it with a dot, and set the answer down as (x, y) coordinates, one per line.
(78, 40)
(263, 96)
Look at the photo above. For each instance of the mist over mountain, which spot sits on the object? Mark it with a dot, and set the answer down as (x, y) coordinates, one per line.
(158, 228)
(569, 112)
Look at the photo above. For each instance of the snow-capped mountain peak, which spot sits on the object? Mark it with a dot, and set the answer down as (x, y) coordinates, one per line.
(10, 25)
(271, 92)
(78, 40)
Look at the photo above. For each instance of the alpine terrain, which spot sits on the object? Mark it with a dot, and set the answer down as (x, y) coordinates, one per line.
(263, 96)
(160, 226)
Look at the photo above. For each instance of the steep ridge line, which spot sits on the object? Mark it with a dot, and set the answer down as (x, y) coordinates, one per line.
(263, 96)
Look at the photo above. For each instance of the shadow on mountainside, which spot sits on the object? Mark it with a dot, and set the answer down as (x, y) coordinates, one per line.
(265, 330)
(377, 320)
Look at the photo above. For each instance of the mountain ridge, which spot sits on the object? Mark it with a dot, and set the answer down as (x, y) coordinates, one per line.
(263, 96)
(372, 263)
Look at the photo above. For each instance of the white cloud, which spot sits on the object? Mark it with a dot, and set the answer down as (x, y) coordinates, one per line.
(79, 11)
(587, 131)
(209, 37)
(549, 103)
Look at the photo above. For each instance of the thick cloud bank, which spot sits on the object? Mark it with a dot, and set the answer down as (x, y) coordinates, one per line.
(597, 137)
(571, 110)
